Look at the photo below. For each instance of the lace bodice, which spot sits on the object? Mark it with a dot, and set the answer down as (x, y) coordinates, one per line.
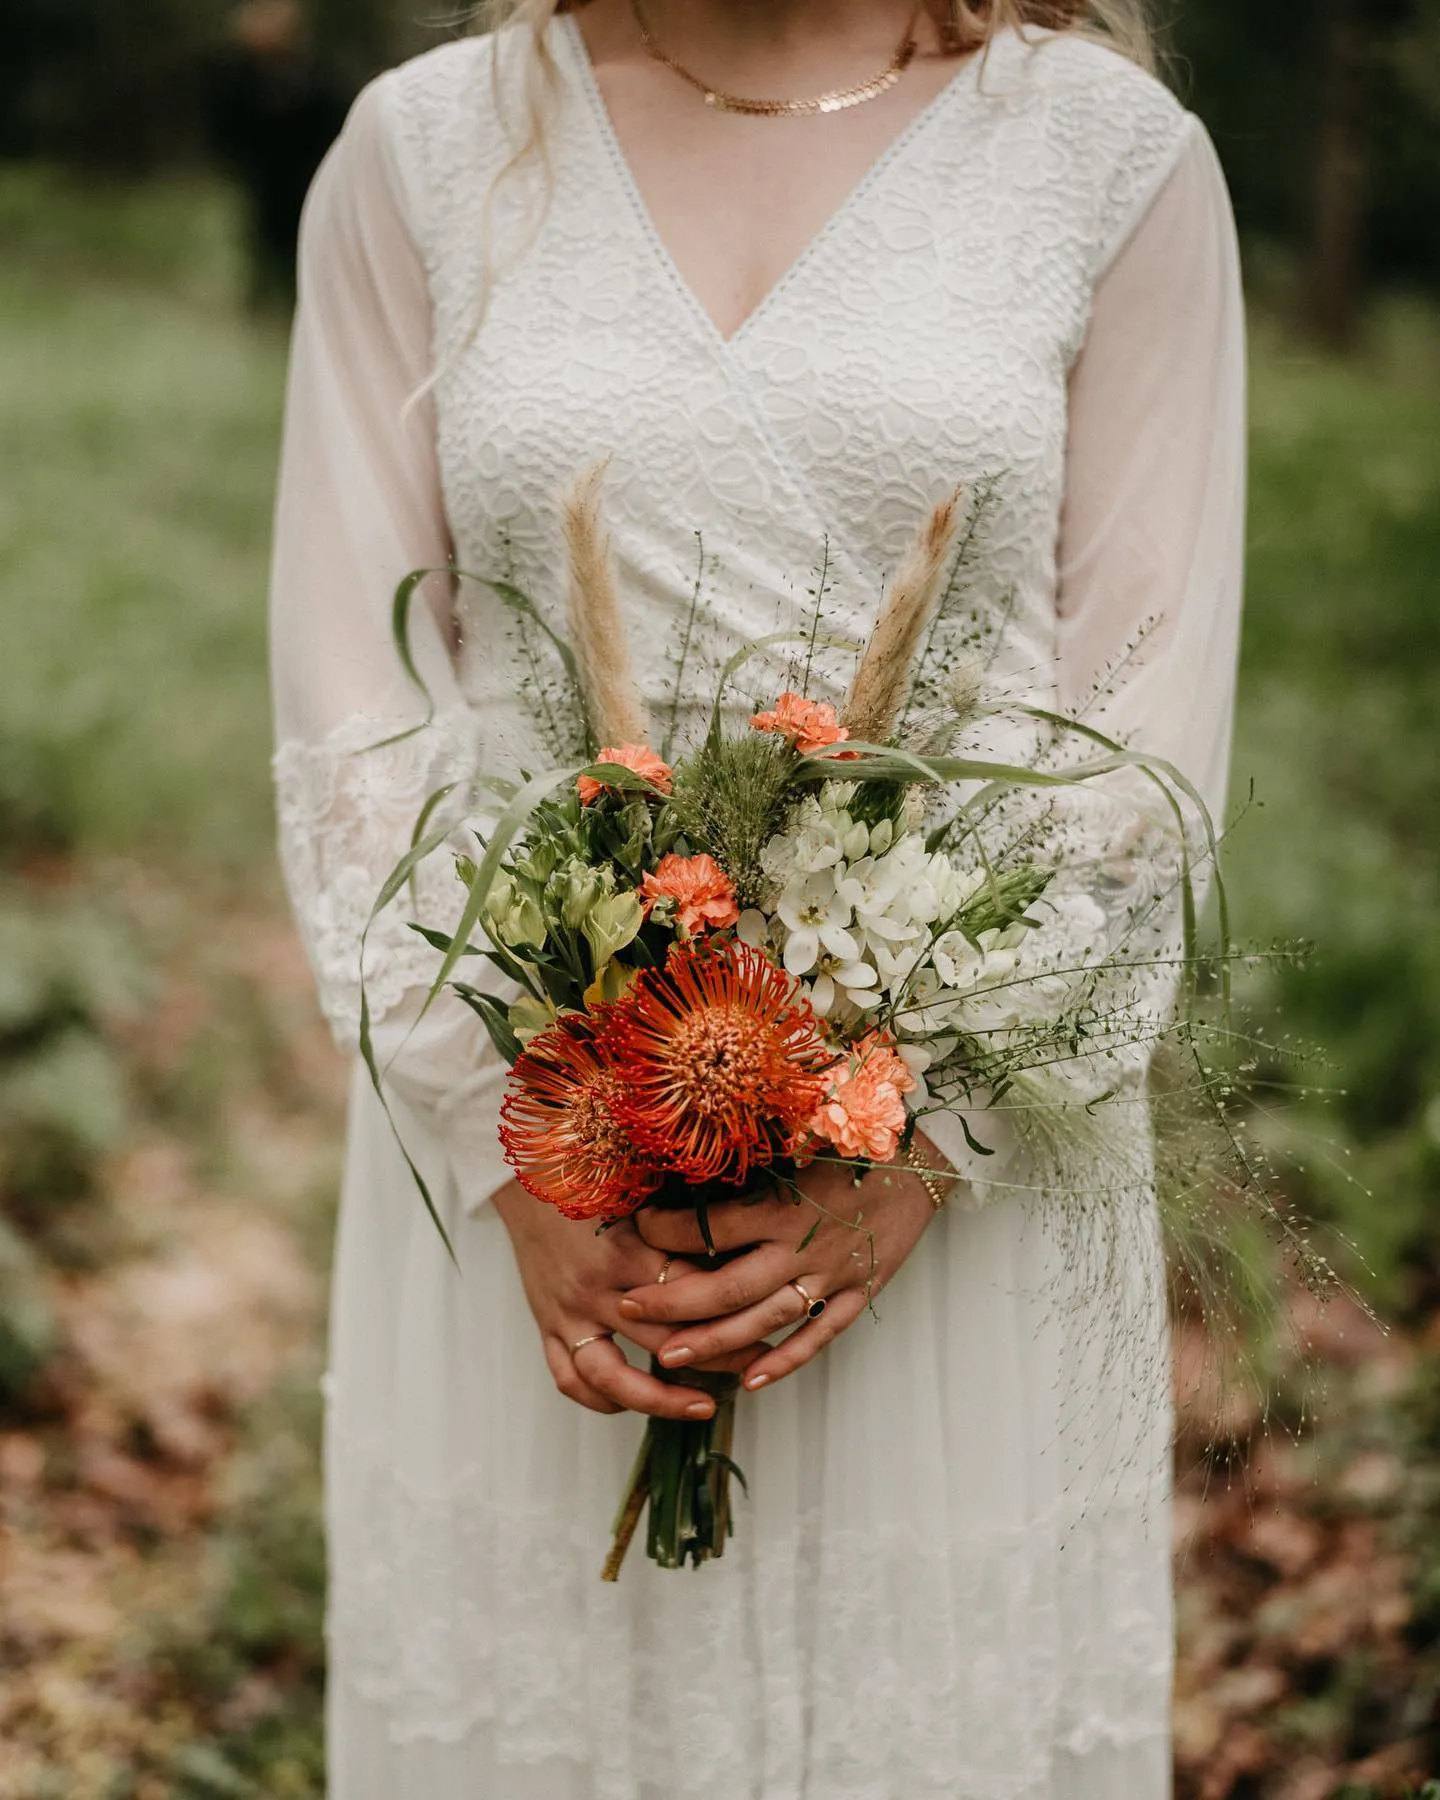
(1033, 288)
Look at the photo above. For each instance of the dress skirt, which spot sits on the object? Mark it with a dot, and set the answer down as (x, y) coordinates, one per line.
(950, 1580)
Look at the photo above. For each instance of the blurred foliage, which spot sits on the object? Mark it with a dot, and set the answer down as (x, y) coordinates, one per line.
(168, 1111)
(137, 437)
(124, 84)
(1340, 685)
(1255, 74)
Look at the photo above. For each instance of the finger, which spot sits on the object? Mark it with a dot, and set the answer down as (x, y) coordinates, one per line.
(734, 1225)
(603, 1366)
(695, 1344)
(661, 1267)
(654, 1338)
(804, 1345)
(709, 1294)
(675, 1233)
(570, 1382)
(637, 1263)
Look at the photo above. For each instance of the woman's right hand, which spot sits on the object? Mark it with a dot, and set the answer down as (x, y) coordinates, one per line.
(574, 1278)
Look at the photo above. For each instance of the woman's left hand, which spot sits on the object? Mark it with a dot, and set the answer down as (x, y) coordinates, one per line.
(861, 1236)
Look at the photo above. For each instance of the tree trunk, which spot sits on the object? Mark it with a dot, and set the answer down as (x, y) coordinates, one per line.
(1337, 244)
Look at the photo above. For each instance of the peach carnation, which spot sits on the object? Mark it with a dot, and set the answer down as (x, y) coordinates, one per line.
(810, 725)
(864, 1114)
(703, 893)
(638, 757)
(876, 1053)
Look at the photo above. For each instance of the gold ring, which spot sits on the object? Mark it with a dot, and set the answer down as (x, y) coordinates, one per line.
(813, 1307)
(664, 1274)
(595, 1337)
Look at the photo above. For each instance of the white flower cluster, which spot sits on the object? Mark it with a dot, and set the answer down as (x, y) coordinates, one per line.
(853, 909)
(865, 916)
(994, 989)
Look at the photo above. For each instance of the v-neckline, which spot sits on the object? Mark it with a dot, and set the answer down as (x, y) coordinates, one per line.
(830, 226)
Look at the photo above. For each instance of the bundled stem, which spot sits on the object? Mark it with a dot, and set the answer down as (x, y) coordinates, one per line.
(597, 625)
(883, 678)
(682, 1477)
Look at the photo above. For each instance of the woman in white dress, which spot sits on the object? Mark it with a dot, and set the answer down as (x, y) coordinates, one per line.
(791, 332)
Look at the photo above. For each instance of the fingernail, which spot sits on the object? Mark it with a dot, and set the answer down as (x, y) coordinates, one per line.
(755, 1381)
(702, 1409)
(632, 1309)
(672, 1359)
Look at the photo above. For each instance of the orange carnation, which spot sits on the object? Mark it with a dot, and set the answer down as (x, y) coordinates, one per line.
(703, 893)
(876, 1053)
(637, 757)
(864, 1113)
(810, 725)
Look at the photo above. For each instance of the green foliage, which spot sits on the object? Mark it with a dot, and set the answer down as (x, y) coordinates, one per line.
(65, 974)
(29, 1334)
(1339, 685)
(727, 801)
(138, 437)
(1254, 75)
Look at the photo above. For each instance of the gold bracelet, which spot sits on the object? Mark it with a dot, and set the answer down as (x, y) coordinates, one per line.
(935, 1185)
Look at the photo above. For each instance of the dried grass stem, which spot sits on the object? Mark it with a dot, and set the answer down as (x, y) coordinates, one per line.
(597, 624)
(883, 678)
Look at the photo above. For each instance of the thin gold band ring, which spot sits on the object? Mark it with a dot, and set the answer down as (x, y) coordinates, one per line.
(595, 1337)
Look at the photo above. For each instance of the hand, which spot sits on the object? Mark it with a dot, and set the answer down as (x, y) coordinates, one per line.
(574, 1278)
(864, 1234)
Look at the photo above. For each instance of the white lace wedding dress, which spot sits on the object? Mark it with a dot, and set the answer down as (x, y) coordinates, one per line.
(951, 1579)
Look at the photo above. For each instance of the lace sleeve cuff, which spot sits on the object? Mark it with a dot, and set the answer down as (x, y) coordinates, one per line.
(346, 815)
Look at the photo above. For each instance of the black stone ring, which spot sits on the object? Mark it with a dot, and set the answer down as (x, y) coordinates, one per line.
(813, 1307)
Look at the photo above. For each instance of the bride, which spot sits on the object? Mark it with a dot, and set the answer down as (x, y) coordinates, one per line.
(795, 268)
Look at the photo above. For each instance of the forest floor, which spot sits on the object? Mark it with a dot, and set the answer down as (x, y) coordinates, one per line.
(170, 1106)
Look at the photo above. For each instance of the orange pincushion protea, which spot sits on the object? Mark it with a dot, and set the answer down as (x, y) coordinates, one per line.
(559, 1128)
(703, 893)
(722, 1061)
(639, 758)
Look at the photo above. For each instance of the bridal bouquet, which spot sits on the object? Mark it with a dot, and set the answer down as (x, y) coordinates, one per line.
(764, 951)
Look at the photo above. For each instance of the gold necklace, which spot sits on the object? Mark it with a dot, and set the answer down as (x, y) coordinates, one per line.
(838, 100)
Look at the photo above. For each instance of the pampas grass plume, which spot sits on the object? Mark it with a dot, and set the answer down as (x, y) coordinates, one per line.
(597, 624)
(883, 678)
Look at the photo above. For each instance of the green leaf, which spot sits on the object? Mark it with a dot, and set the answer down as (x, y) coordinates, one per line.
(727, 1463)
(372, 1068)
(514, 969)
(438, 940)
(971, 1139)
(400, 634)
(494, 1018)
(519, 601)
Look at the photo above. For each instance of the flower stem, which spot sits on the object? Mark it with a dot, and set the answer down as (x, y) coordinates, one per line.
(683, 1475)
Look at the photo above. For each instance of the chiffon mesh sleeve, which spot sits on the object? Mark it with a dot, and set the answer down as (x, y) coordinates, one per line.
(1149, 583)
(359, 508)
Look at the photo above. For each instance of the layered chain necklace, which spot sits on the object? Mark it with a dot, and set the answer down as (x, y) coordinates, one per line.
(837, 100)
